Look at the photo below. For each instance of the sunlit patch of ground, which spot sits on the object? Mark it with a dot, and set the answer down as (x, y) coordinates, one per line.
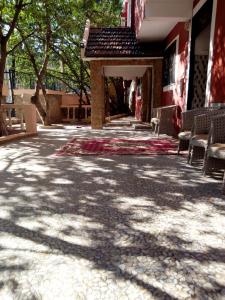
(121, 227)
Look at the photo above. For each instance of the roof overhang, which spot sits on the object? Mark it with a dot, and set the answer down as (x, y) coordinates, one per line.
(116, 43)
(127, 72)
(126, 69)
(120, 58)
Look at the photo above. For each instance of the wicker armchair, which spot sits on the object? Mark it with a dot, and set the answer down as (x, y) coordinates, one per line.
(199, 134)
(163, 119)
(215, 151)
(187, 120)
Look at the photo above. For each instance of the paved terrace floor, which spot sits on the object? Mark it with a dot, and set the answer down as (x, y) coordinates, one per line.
(119, 227)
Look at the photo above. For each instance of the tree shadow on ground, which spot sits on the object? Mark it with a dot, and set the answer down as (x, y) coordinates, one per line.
(146, 220)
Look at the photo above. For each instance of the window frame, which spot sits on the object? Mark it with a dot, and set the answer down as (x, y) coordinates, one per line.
(170, 85)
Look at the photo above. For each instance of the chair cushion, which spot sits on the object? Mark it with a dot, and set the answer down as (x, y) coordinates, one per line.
(200, 140)
(155, 120)
(217, 151)
(184, 135)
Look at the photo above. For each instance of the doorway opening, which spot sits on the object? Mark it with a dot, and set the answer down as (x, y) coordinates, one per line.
(200, 41)
(129, 90)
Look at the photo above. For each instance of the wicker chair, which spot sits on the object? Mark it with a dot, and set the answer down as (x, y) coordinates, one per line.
(215, 152)
(199, 134)
(187, 120)
(162, 119)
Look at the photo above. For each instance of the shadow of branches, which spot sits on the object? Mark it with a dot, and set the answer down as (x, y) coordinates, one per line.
(152, 223)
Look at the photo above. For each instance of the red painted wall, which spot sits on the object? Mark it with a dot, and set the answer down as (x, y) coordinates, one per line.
(139, 6)
(138, 108)
(218, 68)
(125, 9)
(177, 92)
(217, 88)
(124, 13)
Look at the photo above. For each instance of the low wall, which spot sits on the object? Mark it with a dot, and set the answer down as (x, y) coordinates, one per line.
(55, 102)
(25, 113)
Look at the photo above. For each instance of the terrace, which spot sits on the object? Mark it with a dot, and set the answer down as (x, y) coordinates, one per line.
(124, 208)
(92, 227)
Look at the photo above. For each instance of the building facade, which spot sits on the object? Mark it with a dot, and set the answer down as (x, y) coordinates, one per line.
(176, 47)
(193, 32)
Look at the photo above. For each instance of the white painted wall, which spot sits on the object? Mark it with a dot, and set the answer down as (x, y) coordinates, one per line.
(127, 72)
(129, 14)
(161, 16)
(168, 9)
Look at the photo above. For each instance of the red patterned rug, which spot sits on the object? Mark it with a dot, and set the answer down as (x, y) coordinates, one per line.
(117, 146)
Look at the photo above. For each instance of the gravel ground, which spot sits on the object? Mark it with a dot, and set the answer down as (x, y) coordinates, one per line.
(119, 227)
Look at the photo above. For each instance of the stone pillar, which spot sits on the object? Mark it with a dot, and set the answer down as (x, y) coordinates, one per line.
(145, 98)
(157, 87)
(147, 95)
(97, 95)
(30, 117)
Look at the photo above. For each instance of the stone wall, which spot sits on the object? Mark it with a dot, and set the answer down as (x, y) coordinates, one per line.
(54, 105)
(25, 99)
(54, 102)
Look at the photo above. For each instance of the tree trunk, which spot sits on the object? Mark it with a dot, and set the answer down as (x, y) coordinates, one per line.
(43, 113)
(3, 56)
(3, 126)
(4, 39)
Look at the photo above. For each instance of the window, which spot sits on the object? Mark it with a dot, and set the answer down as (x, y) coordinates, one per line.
(169, 65)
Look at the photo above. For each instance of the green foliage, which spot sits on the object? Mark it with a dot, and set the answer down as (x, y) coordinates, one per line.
(67, 20)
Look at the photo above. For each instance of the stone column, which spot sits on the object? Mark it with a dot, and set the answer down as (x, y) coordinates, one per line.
(97, 95)
(145, 98)
(30, 117)
(157, 87)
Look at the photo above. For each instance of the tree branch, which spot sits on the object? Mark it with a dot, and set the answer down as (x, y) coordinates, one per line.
(18, 7)
(20, 42)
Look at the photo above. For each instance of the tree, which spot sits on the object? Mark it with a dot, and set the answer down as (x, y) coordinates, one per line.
(10, 12)
(39, 19)
(58, 27)
(69, 36)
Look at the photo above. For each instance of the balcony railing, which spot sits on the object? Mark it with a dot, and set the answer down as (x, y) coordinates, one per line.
(71, 114)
